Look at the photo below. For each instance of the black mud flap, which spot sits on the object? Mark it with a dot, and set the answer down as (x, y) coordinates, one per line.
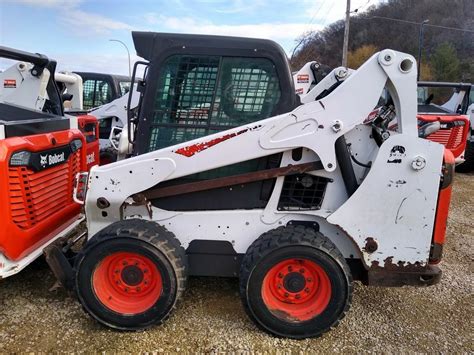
(60, 266)
(426, 276)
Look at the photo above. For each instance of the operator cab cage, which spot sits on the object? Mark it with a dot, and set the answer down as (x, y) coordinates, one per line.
(102, 88)
(202, 84)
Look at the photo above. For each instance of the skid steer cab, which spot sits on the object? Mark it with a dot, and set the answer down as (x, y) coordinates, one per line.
(232, 174)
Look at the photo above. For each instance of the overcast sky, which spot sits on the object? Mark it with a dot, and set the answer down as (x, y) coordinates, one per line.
(76, 32)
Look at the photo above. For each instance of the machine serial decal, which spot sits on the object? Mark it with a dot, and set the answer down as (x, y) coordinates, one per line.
(90, 158)
(396, 154)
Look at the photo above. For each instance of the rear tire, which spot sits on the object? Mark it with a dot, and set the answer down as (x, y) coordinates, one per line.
(295, 283)
(468, 164)
(131, 274)
(107, 157)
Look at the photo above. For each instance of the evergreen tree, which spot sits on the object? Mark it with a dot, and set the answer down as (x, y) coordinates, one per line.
(445, 63)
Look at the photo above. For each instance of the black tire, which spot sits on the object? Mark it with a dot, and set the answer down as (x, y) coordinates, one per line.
(468, 164)
(156, 249)
(107, 157)
(294, 242)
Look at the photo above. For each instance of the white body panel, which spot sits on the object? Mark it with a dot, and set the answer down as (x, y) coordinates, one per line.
(397, 190)
(315, 126)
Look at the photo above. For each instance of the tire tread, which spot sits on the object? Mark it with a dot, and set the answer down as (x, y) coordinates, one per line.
(154, 234)
(292, 235)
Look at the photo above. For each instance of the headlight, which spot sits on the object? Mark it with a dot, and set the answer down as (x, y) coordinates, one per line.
(20, 158)
(76, 144)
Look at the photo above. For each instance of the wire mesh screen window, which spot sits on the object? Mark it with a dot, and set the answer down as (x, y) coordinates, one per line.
(302, 192)
(200, 95)
(96, 93)
(88, 94)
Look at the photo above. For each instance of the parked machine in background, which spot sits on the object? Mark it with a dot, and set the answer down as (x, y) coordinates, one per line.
(102, 88)
(448, 104)
(71, 88)
(41, 151)
(103, 96)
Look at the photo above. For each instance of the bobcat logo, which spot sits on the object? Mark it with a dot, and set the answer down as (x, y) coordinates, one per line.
(43, 160)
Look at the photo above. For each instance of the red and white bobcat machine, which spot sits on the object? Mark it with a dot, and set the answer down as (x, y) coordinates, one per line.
(448, 104)
(232, 174)
(41, 151)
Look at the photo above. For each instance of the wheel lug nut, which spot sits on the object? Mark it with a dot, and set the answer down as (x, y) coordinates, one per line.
(306, 290)
(279, 286)
(290, 268)
(145, 271)
(124, 263)
(126, 289)
(287, 294)
(117, 271)
(298, 296)
(302, 271)
(280, 275)
(309, 279)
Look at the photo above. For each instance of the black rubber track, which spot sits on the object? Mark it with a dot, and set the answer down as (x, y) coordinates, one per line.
(151, 233)
(292, 236)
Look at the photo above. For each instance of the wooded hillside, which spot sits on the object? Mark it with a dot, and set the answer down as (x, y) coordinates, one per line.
(447, 55)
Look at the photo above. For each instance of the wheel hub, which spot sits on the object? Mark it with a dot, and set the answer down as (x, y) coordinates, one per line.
(132, 275)
(294, 282)
(127, 282)
(296, 289)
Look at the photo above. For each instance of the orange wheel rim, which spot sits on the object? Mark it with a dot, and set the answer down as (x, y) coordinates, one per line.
(127, 283)
(296, 290)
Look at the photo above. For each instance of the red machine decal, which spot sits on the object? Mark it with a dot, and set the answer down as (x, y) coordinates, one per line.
(9, 83)
(302, 79)
(199, 147)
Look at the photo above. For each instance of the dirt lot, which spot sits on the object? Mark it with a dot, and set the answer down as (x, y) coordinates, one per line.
(211, 317)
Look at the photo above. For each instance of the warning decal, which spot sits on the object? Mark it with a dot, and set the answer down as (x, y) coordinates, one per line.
(9, 83)
(302, 79)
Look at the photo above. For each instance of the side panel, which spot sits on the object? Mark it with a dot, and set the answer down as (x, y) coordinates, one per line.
(391, 215)
(36, 204)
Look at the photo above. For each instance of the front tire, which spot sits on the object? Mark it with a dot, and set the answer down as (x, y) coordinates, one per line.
(131, 274)
(295, 283)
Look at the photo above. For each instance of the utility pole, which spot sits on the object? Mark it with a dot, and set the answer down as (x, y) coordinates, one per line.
(420, 47)
(346, 34)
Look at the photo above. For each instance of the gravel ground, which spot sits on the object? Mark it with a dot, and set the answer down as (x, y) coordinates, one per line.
(211, 318)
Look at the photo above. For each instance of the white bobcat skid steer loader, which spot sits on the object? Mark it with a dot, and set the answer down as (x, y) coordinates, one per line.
(234, 176)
